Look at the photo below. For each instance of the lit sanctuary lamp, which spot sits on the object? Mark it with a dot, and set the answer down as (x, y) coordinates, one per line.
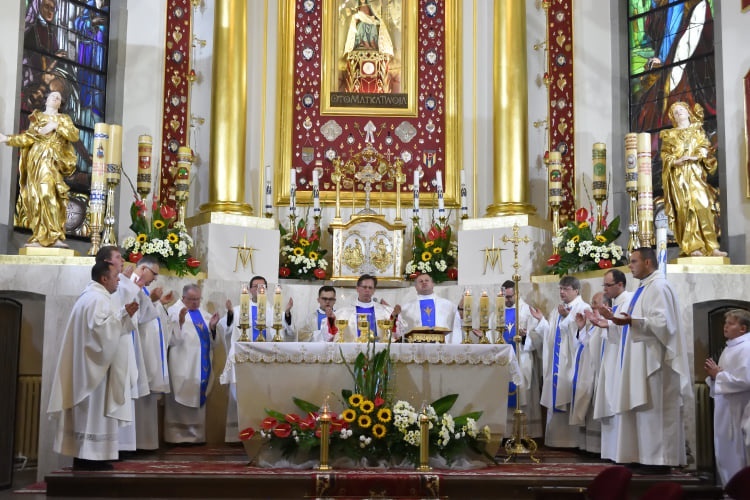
(484, 315)
(269, 194)
(244, 312)
(260, 317)
(464, 197)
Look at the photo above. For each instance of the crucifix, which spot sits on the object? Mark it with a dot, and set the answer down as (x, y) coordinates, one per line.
(368, 175)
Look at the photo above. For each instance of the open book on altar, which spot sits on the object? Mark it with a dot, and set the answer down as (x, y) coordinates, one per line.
(426, 335)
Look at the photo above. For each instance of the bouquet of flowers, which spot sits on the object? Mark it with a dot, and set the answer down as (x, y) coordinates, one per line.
(301, 255)
(580, 250)
(371, 427)
(434, 253)
(162, 236)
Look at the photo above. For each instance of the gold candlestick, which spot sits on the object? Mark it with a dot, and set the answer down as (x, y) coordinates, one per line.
(424, 442)
(261, 336)
(243, 335)
(277, 336)
(325, 425)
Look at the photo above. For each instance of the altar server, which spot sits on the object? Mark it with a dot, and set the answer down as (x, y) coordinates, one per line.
(431, 311)
(364, 304)
(729, 382)
(190, 370)
(558, 356)
(90, 392)
(655, 377)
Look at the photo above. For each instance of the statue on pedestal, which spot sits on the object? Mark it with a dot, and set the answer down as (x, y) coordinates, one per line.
(689, 200)
(47, 157)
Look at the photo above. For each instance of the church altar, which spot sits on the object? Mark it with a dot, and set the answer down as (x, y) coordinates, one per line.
(269, 374)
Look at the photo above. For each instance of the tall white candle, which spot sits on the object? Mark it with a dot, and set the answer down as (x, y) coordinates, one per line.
(269, 191)
(416, 194)
(441, 201)
(464, 193)
(293, 191)
(316, 193)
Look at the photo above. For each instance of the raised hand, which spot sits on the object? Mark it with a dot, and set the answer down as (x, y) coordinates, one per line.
(131, 308)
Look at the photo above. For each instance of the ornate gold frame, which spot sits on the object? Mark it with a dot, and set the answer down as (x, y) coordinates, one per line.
(284, 111)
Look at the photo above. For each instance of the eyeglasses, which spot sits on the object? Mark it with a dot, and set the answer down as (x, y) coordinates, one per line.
(328, 299)
(566, 288)
(152, 271)
(191, 299)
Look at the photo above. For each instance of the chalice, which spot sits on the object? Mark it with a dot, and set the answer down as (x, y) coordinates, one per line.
(363, 324)
(341, 325)
(385, 326)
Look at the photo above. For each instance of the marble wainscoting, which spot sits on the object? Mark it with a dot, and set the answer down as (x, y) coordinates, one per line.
(694, 284)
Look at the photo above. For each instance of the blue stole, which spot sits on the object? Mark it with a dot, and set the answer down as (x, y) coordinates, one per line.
(625, 328)
(161, 337)
(508, 334)
(254, 314)
(427, 308)
(204, 335)
(579, 351)
(321, 318)
(556, 364)
(370, 311)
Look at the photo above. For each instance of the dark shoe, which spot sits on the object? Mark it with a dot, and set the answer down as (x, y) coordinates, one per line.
(650, 470)
(83, 464)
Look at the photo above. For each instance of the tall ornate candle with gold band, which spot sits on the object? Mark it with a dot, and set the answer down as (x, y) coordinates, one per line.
(599, 184)
(143, 180)
(98, 193)
(114, 166)
(554, 185)
(182, 181)
(631, 186)
(645, 191)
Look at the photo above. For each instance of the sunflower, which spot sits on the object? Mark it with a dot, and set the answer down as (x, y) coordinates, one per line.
(355, 400)
(364, 421)
(367, 406)
(583, 225)
(378, 431)
(384, 414)
(158, 224)
(298, 251)
(428, 244)
(142, 238)
(313, 255)
(575, 238)
(437, 250)
(349, 415)
(426, 256)
(600, 238)
(304, 242)
(173, 238)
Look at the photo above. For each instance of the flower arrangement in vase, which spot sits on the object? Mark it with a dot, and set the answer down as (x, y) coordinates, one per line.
(301, 255)
(434, 253)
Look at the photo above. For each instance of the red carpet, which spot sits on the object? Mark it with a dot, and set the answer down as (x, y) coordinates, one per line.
(36, 489)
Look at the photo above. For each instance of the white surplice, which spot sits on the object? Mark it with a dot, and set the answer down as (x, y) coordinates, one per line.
(184, 416)
(91, 390)
(559, 433)
(655, 380)
(446, 316)
(731, 393)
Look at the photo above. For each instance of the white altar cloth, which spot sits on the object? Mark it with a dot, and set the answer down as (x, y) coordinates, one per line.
(269, 374)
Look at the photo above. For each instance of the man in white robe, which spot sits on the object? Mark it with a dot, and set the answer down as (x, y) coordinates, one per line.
(364, 304)
(558, 357)
(310, 331)
(230, 333)
(729, 382)
(154, 330)
(655, 378)
(431, 311)
(90, 392)
(608, 380)
(190, 371)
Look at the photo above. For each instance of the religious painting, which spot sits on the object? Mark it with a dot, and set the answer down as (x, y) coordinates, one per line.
(65, 50)
(319, 39)
(745, 5)
(368, 60)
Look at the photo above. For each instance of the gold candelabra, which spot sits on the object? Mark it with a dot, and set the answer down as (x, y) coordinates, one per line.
(109, 238)
(500, 339)
(243, 335)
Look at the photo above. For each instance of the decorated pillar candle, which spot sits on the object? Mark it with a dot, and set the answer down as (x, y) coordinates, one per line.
(499, 310)
(645, 191)
(464, 196)
(484, 310)
(269, 191)
(293, 191)
(555, 178)
(468, 305)
(631, 162)
(114, 154)
(182, 177)
(143, 179)
(260, 317)
(277, 305)
(439, 187)
(415, 211)
(599, 163)
(244, 306)
(99, 170)
(316, 193)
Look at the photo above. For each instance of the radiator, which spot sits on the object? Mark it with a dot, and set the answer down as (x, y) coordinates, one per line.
(27, 417)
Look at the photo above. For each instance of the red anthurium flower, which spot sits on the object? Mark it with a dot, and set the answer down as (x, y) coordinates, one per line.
(581, 215)
(605, 264)
(302, 233)
(193, 262)
(319, 273)
(246, 434)
(337, 426)
(283, 430)
(284, 272)
(378, 401)
(268, 423)
(433, 233)
(155, 205)
(307, 424)
(452, 273)
(168, 212)
(141, 205)
(135, 257)
(292, 418)
(313, 415)
(553, 260)
(318, 433)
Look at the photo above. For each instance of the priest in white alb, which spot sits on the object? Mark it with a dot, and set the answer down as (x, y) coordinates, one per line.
(431, 312)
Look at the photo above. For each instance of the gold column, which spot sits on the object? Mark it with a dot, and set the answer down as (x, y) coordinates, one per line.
(226, 184)
(511, 166)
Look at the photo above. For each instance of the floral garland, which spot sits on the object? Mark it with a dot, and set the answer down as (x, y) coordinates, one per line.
(371, 428)
(301, 255)
(578, 249)
(434, 253)
(161, 236)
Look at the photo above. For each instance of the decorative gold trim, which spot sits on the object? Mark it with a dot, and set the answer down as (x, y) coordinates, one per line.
(330, 60)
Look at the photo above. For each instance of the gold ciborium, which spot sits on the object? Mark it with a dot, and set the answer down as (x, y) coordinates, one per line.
(385, 327)
(341, 325)
(363, 325)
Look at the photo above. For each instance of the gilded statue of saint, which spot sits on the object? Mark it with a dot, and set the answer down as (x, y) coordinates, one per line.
(47, 157)
(689, 200)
